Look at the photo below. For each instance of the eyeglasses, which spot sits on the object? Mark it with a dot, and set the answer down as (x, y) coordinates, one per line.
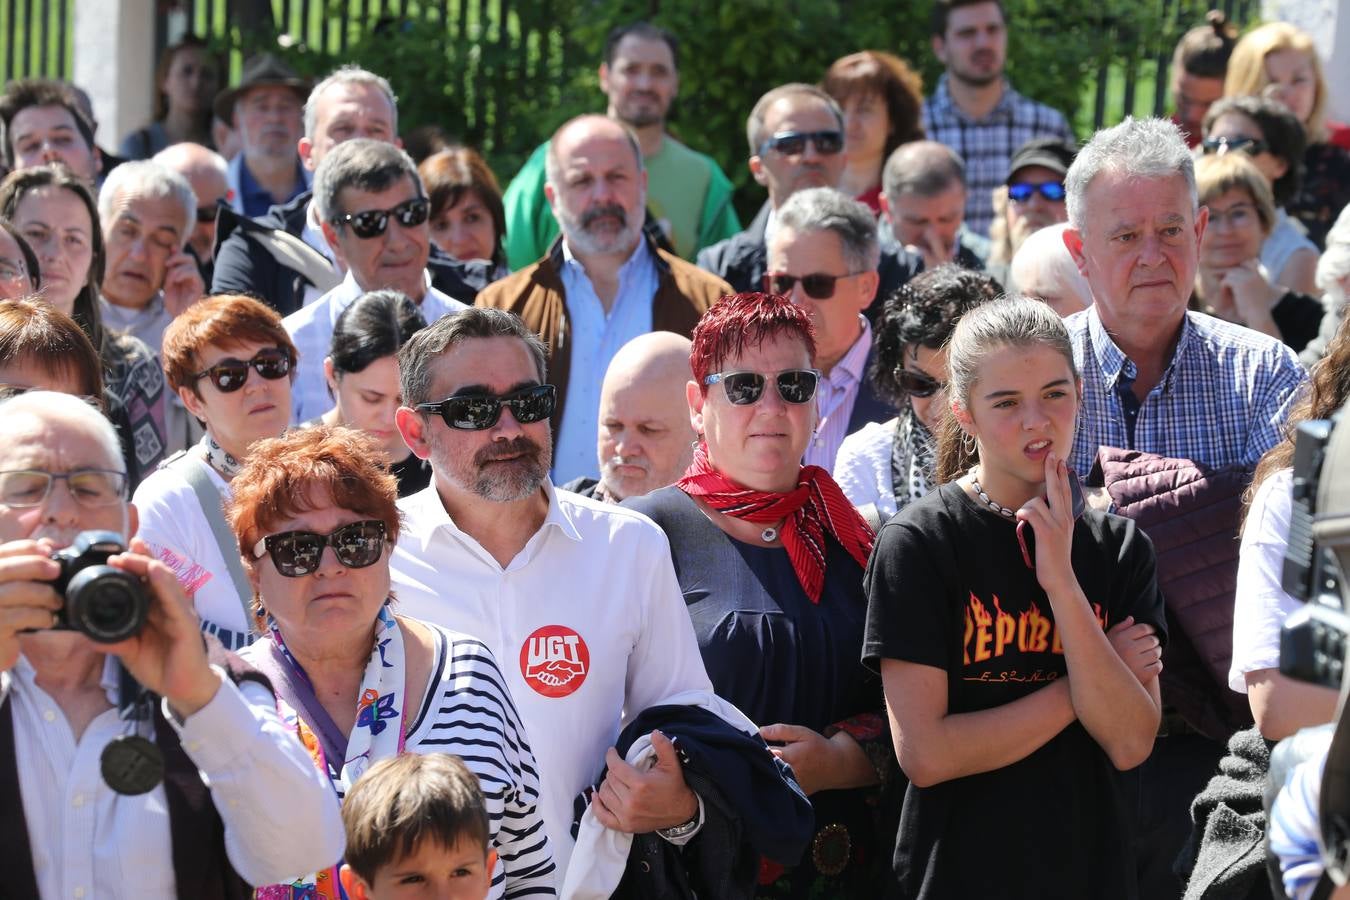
(475, 412)
(817, 285)
(1022, 191)
(793, 143)
(1248, 145)
(90, 487)
(230, 374)
(371, 223)
(745, 388)
(298, 553)
(207, 214)
(916, 384)
(1239, 216)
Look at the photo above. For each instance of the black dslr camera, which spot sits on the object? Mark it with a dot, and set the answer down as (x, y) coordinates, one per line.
(1313, 639)
(103, 603)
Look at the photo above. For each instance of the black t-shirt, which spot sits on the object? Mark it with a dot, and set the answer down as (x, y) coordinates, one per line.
(947, 587)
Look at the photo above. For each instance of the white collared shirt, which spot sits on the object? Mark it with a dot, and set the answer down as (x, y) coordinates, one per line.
(281, 818)
(835, 398)
(597, 335)
(311, 328)
(587, 623)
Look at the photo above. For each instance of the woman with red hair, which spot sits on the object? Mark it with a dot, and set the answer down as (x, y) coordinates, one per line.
(770, 558)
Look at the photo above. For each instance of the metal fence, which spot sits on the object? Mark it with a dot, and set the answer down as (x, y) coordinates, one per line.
(37, 35)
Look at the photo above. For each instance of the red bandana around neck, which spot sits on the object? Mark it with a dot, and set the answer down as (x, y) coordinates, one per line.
(814, 506)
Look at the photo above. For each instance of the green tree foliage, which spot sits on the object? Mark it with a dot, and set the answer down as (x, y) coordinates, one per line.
(502, 76)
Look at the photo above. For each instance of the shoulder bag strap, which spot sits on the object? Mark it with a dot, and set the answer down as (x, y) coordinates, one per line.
(209, 498)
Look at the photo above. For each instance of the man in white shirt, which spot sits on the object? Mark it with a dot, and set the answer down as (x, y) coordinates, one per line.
(823, 256)
(577, 598)
(369, 199)
(240, 800)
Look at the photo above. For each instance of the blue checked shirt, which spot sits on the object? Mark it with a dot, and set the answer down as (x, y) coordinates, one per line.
(987, 144)
(1221, 401)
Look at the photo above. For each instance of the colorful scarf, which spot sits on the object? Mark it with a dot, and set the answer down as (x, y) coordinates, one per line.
(814, 506)
(378, 734)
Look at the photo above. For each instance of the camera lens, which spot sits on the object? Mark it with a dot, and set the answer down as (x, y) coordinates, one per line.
(106, 604)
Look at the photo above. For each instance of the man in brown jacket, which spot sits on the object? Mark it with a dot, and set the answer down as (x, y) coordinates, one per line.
(602, 283)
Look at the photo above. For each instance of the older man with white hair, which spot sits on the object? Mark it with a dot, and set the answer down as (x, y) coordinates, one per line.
(147, 212)
(235, 800)
(1191, 389)
(645, 440)
(207, 172)
(1044, 269)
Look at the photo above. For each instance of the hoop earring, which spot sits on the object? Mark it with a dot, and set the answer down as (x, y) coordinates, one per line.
(968, 443)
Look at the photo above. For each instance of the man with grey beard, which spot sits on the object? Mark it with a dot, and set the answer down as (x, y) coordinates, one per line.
(577, 598)
(602, 283)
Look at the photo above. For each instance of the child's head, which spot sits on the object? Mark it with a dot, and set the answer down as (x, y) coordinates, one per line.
(417, 826)
(1012, 385)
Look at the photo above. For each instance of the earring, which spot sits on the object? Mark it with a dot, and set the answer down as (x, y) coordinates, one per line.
(968, 443)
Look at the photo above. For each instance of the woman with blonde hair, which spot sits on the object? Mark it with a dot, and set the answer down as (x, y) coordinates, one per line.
(1280, 61)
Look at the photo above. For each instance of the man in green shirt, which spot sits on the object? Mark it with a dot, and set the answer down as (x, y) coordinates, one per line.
(688, 195)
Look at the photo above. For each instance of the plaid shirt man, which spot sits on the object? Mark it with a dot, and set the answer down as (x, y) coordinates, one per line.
(1222, 400)
(987, 144)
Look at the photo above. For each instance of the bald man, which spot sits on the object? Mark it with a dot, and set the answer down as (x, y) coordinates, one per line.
(208, 173)
(1042, 268)
(603, 283)
(645, 440)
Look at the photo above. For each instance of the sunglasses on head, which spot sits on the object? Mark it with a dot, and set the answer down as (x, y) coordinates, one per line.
(817, 285)
(793, 143)
(1248, 145)
(474, 412)
(298, 553)
(230, 374)
(745, 388)
(916, 384)
(371, 223)
(1022, 191)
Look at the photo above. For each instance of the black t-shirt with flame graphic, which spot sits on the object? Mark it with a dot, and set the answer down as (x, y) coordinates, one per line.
(947, 587)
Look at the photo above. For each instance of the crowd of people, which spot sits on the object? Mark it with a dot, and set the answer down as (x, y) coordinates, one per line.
(919, 539)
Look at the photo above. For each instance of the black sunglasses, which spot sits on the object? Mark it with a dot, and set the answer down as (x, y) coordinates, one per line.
(230, 374)
(817, 285)
(298, 553)
(1022, 191)
(745, 388)
(916, 384)
(1248, 145)
(474, 412)
(793, 143)
(372, 223)
(207, 213)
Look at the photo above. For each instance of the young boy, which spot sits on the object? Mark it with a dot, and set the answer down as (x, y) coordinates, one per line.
(417, 827)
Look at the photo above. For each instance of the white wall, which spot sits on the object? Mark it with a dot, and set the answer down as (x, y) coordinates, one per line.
(114, 60)
(1328, 21)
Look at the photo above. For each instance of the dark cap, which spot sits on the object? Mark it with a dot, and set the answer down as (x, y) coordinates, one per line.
(1052, 153)
(263, 70)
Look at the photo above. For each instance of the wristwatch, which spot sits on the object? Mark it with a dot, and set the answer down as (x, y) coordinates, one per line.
(684, 829)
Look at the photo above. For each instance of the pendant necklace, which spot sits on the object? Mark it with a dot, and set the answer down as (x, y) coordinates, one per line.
(991, 503)
(769, 535)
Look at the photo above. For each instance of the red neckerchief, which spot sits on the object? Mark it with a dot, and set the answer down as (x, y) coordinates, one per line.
(815, 505)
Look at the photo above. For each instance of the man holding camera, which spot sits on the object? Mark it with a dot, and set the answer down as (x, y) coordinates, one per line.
(208, 793)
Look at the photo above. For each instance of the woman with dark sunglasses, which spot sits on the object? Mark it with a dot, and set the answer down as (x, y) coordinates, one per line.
(891, 464)
(1018, 637)
(363, 378)
(231, 363)
(1271, 136)
(769, 556)
(315, 519)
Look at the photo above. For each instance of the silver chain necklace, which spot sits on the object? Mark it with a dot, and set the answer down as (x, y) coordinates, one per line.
(988, 501)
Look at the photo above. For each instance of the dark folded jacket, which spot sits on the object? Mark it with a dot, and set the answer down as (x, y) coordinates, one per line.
(752, 807)
(1193, 514)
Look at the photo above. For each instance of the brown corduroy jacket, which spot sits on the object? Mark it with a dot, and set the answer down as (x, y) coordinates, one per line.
(684, 292)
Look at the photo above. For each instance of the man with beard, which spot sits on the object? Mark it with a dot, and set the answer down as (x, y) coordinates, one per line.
(578, 599)
(603, 284)
(974, 110)
(369, 199)
(265, 109)
(689, 199)
(645, 440)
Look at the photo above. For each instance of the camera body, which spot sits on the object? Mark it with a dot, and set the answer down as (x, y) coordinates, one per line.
(105, 604)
